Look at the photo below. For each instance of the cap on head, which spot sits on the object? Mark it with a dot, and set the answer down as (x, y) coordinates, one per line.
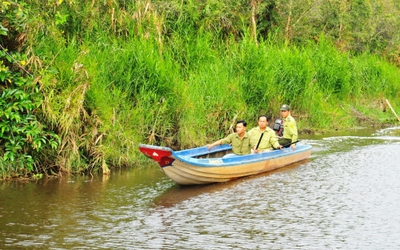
(285, 107)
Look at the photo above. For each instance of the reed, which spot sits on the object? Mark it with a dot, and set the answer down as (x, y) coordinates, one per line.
(116, 74)
(188, 94)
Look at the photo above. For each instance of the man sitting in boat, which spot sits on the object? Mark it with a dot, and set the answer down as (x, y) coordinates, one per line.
(263, 138)
(240, 140)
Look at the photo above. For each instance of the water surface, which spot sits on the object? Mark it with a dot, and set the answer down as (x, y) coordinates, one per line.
(346, 196)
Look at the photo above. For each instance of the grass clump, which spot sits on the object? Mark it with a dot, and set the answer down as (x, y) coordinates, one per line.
(179, 74)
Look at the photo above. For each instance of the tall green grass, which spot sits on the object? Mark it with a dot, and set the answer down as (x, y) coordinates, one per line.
(189, 95)
(119, 77)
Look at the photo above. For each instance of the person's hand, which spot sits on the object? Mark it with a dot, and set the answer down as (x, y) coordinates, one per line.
(209, 146)
(293, 146)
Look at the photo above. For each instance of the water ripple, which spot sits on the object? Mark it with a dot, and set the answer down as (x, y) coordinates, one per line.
(345, 197)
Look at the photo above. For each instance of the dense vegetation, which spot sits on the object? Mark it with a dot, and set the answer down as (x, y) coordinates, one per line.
(84, 82)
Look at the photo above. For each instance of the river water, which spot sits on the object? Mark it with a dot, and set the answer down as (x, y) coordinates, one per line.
(346, 196)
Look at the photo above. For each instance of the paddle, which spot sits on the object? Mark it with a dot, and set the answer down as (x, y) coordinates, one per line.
(287, 145)
(258, 144)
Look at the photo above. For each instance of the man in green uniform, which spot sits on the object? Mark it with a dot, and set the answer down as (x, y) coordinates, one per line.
(240, 140)
(290, 134)
(263, 138)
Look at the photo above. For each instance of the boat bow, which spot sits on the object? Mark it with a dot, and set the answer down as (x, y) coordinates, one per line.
(159, 154)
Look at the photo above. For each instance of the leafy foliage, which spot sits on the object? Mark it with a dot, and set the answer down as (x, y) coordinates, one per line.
(21, 133)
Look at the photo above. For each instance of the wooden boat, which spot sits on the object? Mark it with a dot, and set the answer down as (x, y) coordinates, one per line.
(202, 165)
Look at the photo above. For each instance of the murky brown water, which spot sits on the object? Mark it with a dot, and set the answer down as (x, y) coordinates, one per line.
(345, 197)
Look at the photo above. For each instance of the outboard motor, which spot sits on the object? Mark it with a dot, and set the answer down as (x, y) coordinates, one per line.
(278, 127)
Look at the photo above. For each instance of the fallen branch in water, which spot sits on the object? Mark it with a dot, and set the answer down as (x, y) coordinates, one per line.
(358, 115)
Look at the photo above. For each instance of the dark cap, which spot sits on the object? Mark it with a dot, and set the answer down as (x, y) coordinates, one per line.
(285, 107)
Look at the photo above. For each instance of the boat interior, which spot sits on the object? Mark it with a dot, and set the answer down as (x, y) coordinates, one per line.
(217, 154)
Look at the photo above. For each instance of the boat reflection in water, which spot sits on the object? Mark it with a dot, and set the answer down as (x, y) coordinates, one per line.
(179, 193)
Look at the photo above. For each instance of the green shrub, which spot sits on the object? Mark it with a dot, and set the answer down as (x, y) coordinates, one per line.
(21, 133)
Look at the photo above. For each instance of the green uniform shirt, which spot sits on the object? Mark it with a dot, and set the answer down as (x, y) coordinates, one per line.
(290, 129)
(269, 140)
(239, 146)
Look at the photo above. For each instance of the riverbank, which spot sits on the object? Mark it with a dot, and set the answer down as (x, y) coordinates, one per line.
(361, 130)
(84, 84)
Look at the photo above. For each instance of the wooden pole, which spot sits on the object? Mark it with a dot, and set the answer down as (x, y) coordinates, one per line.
(390, 106)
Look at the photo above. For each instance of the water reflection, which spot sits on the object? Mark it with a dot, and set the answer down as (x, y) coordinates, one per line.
(178, 193)
(339, 201)
(345, 197)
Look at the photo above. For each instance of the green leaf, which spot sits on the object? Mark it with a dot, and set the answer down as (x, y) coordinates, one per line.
(3, 30)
